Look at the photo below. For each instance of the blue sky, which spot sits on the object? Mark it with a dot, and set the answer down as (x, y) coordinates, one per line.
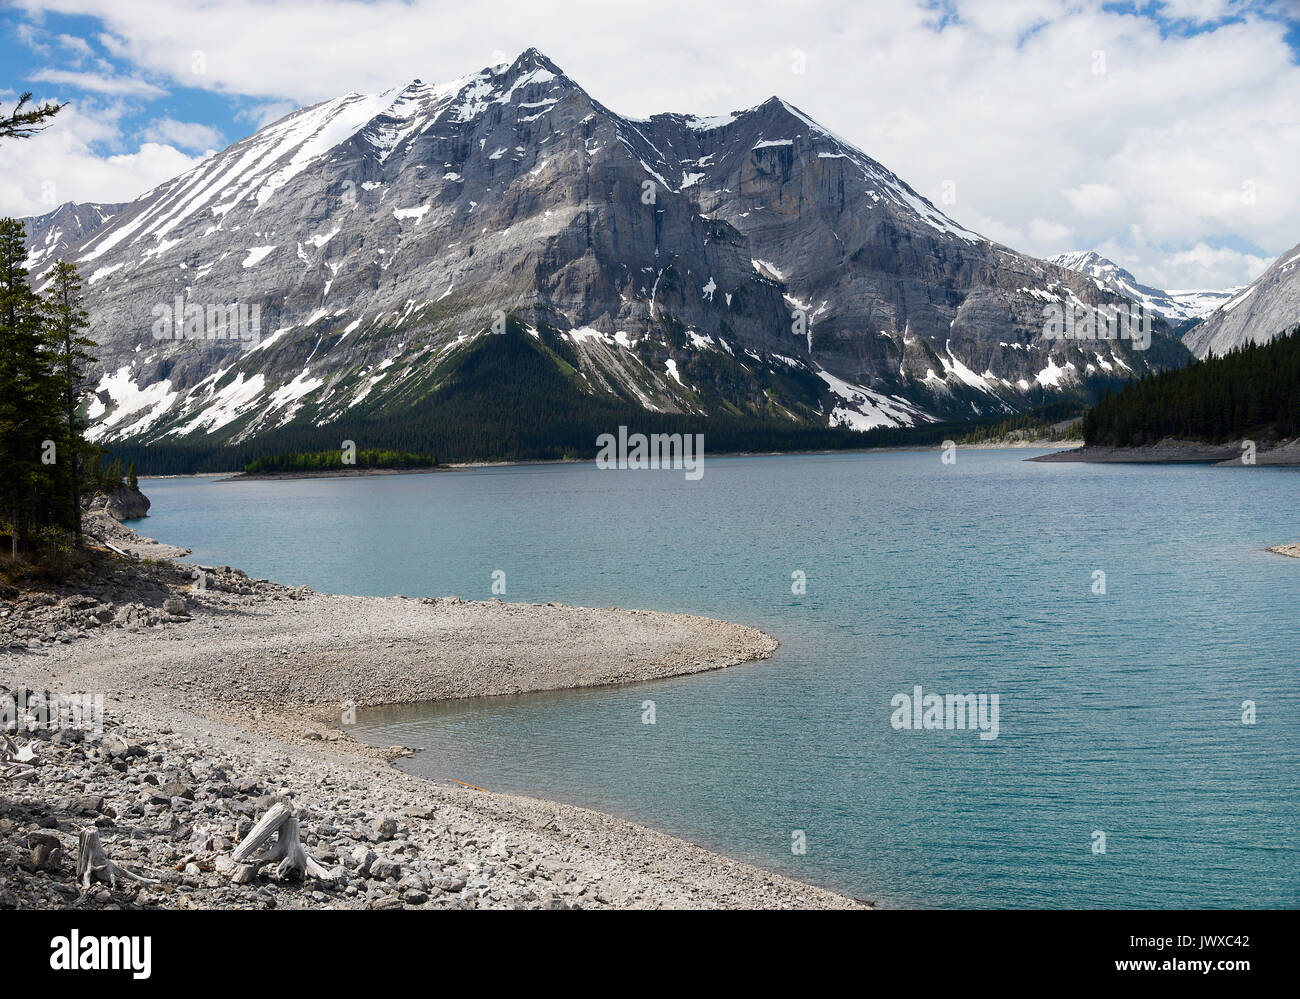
(1164, 134)
(37, 53)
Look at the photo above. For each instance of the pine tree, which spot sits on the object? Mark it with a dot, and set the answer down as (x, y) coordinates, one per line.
(26, 417)
(65, 320)
(20, 124)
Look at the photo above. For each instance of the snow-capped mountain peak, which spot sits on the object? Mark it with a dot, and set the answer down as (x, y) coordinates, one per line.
(1175, 306)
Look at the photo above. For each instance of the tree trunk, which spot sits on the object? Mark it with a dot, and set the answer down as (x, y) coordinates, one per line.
(93, 864)
(287, 852)
(76, 498)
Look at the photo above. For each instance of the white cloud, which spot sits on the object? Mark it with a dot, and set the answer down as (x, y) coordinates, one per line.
(1197, 11)
(1199, 267)
(1042, 231)
(1047, 153)
(99, 83)
(1093, 200)
(31, 37)
(61, 164)
(77, 45)
(185, 134)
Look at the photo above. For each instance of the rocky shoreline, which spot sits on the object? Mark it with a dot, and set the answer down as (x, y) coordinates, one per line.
(1172, 452)
(223, 695)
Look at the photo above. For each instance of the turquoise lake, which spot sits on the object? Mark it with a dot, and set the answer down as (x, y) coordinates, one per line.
(1120, 712)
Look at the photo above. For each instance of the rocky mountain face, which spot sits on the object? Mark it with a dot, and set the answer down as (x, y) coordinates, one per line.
(1267, 307)
(354, 261)
(1175, 306)
(55, 234)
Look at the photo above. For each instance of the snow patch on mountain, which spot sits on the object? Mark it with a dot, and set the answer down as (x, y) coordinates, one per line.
(256, 254)
(865, 409)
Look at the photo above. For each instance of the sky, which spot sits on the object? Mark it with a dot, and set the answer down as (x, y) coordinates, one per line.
(1165, 135)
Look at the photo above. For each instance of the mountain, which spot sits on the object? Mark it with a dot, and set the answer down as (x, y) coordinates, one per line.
(1265, 309)
(752, 266)
(54, 234)
(1175, 306)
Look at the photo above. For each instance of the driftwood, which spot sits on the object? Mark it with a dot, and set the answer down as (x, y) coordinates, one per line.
(16, 763)
(119, 551)
(93, 864)
(286, 853)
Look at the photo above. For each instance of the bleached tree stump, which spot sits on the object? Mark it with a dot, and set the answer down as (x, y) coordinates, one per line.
(286, 853)
(16, 763)
(93, 864)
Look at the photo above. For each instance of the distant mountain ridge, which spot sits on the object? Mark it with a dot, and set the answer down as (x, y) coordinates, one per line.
(1175, 306)
(56, 233)
(749, 266)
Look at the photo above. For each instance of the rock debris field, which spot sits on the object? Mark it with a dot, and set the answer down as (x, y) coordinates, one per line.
(225, 695)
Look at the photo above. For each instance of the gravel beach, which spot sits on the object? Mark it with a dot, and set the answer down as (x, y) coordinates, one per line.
(1173, 452)
(224, 695)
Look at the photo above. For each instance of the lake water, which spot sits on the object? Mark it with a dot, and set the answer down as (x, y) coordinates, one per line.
(1119, 712)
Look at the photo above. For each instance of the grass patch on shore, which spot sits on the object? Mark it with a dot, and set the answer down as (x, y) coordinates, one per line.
(340, 460)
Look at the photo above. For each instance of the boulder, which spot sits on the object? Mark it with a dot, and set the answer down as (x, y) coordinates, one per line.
(47, 851)
(122, 503)
(381, 869)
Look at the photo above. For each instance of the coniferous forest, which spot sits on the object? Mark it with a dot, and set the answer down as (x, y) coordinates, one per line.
(1251, 391)
(46, 465)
